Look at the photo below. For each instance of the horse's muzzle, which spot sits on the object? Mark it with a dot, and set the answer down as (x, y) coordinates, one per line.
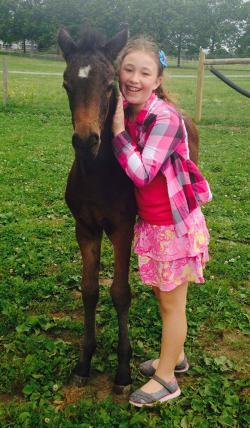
(87, 145)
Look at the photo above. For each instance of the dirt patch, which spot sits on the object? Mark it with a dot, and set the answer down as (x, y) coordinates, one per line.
(65, 333)
(77, 294)
(59, 315)
(66, 336)
(233, 345)
(98, 388)
(245, 395)
(52, 269)
(6, 398)
(71, 395)
(76, 314)
(106, 282)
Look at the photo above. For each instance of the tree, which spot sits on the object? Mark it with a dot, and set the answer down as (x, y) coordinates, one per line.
(20, 20)
(7, 8)
(224, 17)
(179, 26)
(243, 42)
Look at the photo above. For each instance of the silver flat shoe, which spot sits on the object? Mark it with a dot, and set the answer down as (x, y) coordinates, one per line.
(147, 368)
(169, 391)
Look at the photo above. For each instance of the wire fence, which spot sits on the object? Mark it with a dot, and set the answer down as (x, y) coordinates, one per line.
(16, 69)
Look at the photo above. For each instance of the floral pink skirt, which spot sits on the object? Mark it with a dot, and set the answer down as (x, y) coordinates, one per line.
(166, 260)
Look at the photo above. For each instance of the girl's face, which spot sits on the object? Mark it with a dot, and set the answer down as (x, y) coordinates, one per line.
(138, 78)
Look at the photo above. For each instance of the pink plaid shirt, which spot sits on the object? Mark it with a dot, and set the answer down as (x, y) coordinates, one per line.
(162, 145)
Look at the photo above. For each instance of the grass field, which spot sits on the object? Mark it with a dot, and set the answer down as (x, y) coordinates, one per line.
(40, 300)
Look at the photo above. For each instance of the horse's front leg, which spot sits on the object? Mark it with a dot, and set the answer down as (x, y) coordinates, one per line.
(90, 246)
(121, 297)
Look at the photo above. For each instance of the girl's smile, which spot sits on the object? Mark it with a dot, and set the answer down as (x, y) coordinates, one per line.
(138, 78)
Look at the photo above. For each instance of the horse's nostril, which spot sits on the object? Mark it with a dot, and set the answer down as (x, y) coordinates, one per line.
(85, 143)
(94, 139)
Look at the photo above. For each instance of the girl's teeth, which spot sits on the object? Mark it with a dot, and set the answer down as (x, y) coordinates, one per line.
(133, 90)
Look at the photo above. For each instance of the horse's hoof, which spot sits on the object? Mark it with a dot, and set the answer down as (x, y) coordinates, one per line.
(79, 380)
(122, 389)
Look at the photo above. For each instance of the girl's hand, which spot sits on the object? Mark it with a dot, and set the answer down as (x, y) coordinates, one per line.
(118, 119)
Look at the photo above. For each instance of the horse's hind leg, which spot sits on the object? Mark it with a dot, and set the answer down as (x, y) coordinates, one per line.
(90, 250)
(121, 296)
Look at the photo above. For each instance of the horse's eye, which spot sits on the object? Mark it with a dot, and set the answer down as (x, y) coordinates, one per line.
(66, 86)
(110, 87)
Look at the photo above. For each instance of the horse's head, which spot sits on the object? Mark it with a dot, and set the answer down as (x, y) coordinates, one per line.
(89, 80)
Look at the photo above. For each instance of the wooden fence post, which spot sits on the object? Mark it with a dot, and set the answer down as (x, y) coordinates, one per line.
(5, 81)
(199, 90)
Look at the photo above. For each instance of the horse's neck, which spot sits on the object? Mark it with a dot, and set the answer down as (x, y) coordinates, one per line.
(104, 164)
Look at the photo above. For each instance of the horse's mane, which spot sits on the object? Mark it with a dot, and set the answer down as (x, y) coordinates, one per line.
(90, 39)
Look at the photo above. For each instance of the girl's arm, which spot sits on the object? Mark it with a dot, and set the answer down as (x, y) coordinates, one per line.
(143, 167)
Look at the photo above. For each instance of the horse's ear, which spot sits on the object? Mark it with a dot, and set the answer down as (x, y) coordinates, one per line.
(115, 45)
(66, 43)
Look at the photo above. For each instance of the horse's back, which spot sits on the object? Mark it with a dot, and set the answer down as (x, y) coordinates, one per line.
(193, 138)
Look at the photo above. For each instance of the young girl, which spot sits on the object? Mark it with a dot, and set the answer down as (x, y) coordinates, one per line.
(171, 238)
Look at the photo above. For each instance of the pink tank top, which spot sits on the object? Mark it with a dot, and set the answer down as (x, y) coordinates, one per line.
(152, 200)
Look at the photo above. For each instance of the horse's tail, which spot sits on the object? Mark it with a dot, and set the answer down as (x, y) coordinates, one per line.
(193, 137)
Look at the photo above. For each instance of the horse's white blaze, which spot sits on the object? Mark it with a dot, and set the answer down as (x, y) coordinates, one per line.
(84, 72)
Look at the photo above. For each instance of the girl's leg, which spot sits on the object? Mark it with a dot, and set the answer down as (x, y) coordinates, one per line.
(157, 292)
(174, 330)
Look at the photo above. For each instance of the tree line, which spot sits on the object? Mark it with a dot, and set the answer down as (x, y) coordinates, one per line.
(222, 27)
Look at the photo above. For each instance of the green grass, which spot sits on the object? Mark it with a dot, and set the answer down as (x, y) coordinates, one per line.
(41, 310)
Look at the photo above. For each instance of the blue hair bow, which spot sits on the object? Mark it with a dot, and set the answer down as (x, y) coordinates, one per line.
(163, 59)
